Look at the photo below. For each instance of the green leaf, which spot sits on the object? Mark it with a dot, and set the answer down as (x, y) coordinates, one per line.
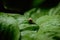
(35, 13)
(9, 29)
(46, 18)
(55, 10)
(29, 13)
(22, 20)
(28, 35)
(49, 27)
(38, 13)
(32, 27)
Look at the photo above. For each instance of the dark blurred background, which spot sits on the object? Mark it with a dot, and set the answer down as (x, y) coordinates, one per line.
(49, 4)
(21, 6)
(15, 6)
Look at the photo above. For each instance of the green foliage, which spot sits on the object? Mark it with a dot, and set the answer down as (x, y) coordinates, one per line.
(45, 18)
(49, 27)
(55, 10)
(35, 13)
(22, 20)
(8, 28)
(35, 24)
(32, 27)
(38, 13)
(28, 35)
